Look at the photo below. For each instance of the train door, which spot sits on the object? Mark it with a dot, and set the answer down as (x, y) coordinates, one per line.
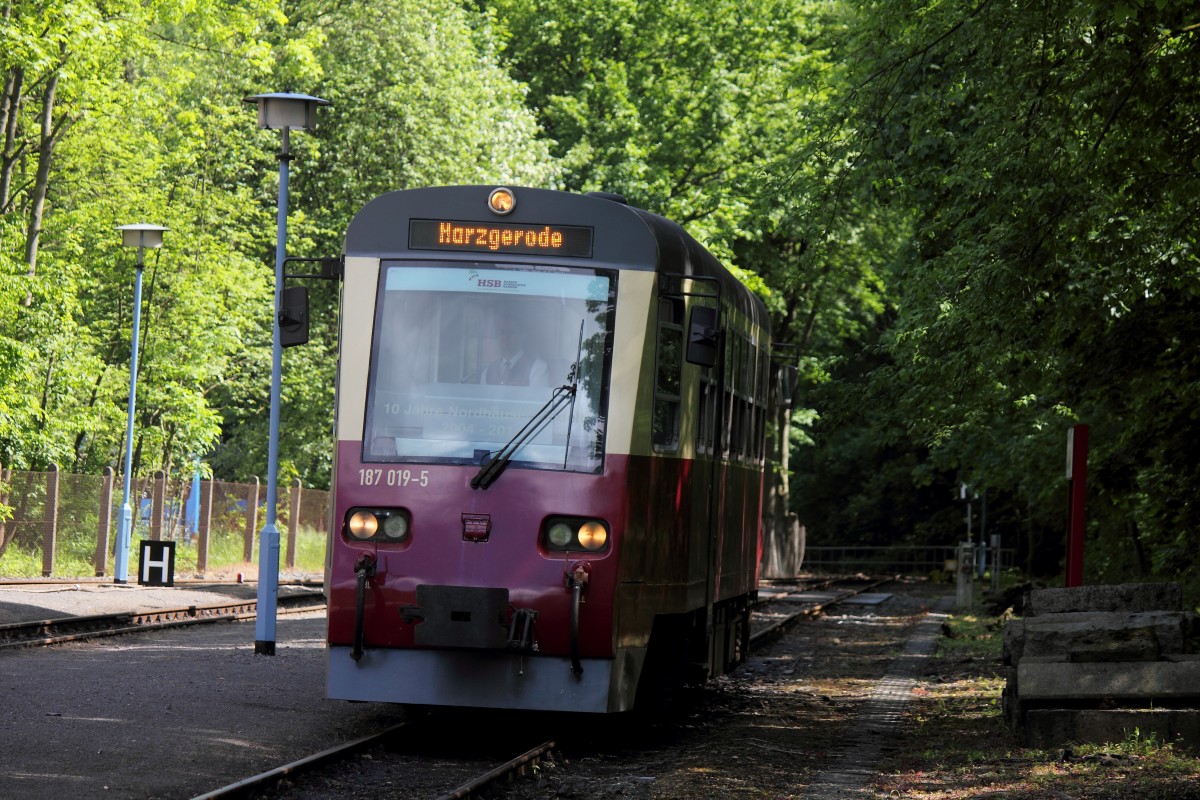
(706, 346)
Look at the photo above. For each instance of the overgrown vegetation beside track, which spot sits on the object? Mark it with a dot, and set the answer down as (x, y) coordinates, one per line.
(956, 744)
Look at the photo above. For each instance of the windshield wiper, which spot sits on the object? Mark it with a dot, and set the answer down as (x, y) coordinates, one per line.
(573, 377)
(563, 397)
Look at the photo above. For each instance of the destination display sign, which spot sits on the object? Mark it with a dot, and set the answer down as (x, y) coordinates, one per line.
(500, 237)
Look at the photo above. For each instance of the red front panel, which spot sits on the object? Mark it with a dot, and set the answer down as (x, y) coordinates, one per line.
(512, 558)
(658, 511)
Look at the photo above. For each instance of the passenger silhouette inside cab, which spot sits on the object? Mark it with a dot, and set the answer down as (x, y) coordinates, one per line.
(515, 364)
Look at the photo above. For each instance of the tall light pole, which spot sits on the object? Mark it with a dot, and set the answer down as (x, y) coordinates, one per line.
(140, 236)
(284, 111)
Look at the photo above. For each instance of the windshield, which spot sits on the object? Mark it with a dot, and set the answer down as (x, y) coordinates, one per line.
(465, 355)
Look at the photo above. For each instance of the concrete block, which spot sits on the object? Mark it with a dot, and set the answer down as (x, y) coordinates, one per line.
(1014, 642)
(1099, 636)
(1054, 727)
(1042, 681)
(1131, 597)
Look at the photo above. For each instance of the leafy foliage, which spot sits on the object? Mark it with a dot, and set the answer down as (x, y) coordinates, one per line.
(967, 241)
(147, 123)
(1050, 177)
(417, 99)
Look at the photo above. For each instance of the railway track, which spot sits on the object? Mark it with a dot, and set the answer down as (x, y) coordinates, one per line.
(58, 630)
(414, 759)
(784, 607)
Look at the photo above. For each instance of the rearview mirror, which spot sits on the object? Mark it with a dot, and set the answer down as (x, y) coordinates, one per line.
(785, 384)
(293, 316)
(704, 337)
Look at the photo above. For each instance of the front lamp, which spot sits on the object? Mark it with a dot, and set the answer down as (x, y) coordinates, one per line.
(593, 535)
(378, 524)
(362, 525)
(575, 534)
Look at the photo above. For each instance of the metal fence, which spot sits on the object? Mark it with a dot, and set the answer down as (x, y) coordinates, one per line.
(52, 511)
(894, 559)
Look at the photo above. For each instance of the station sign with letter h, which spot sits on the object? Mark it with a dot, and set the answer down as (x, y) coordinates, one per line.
(156, 567)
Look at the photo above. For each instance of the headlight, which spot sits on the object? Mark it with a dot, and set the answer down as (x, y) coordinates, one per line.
(560, 534)
(378, 524)
(362, 525)
(575, 534)
(592, 535)
(395, 526)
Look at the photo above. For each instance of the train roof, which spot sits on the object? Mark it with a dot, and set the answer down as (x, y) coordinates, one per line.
(623, 236)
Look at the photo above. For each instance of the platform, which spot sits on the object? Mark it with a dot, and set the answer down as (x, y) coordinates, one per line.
(166, 713)
(35, 601)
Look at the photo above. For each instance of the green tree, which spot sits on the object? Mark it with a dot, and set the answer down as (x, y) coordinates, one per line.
(417, 99)
(698, 111)
(656, 101)
(134, 143)
(1050, 177)
(52, 56)
(96, 133)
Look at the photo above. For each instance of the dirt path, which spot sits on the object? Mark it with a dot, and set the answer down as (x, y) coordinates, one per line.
(808, 716)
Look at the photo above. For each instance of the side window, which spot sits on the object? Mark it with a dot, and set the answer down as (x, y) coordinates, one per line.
(668, 368)
(729, 428)
(741, 408)
(704, 425)
(760, 403)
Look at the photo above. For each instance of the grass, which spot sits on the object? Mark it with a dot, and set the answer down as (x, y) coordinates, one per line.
(958, 746)
(73, 559)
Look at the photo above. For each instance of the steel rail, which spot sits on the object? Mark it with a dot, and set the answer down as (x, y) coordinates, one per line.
(506, 770)
(776, 583)
(264, 779)
(69, 629)
(780, 625)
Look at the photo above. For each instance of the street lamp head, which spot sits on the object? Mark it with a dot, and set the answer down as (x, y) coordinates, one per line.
(142, 235)
(287, 110)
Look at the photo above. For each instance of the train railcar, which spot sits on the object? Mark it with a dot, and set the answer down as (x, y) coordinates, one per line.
(549, 453)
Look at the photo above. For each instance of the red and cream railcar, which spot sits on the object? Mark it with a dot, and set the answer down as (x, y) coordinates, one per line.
(548, 475)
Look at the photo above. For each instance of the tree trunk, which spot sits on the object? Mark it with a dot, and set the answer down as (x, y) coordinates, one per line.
(1139, 551)
(5, 477)
(49, 137)
(776, 511)
(783, 535)
(10, 107)
(46, 386)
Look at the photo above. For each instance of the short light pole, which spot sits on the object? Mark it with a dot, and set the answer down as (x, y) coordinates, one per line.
(140, 236)
(282, 111)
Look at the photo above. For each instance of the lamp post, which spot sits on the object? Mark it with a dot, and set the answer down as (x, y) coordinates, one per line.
(140, 236)
(284, 111)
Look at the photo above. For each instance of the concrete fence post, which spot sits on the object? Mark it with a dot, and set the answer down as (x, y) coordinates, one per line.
(51, 521)
(104, 523)
(293, 522)
(251, 520)
(203, 525)
(158, 505)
